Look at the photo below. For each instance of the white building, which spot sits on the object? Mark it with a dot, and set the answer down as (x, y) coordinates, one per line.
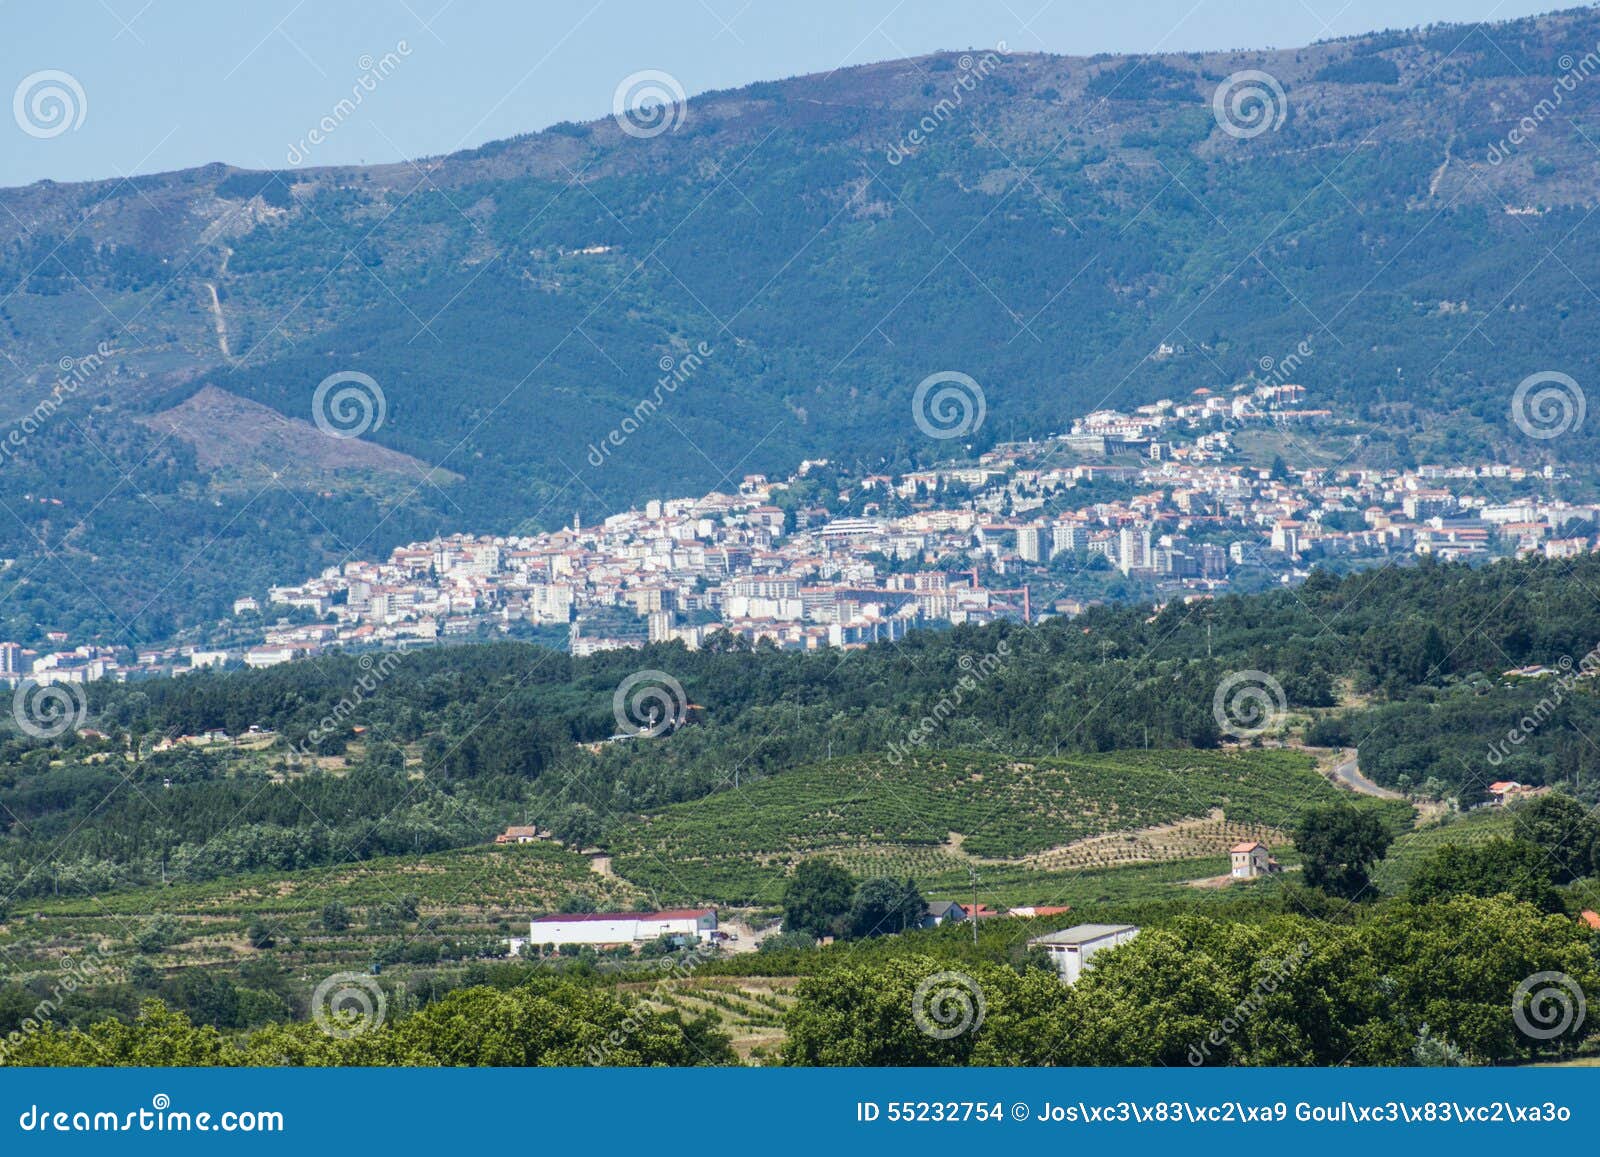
(1071, 949)
(1252, 859)
(693, 924)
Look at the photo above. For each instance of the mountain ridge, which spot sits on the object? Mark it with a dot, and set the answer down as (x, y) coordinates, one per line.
(1071, 231)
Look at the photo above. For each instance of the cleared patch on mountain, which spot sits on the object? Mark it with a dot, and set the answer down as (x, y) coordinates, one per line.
(235, 435)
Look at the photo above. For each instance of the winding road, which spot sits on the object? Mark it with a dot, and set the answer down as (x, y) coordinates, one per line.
(1348, 772)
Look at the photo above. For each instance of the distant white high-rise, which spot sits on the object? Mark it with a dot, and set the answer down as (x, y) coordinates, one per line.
(1066, 539)
(1133, 548)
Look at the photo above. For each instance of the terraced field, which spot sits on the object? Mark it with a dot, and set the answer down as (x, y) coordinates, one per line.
(934, 817)
(751, 1008)
(465, 899)
(1394, 872)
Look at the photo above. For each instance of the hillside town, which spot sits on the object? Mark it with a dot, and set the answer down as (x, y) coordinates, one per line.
(1025, 531)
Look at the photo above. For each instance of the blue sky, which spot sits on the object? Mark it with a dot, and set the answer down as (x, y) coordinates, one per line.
(166, 84)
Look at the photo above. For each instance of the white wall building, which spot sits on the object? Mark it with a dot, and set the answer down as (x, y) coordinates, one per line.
(1071, 949)
(694, 924)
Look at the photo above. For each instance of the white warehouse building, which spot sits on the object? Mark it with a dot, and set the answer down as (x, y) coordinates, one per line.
(693, 924)
(1071, 949)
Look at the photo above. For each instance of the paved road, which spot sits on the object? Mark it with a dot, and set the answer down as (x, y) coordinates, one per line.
(1349, 774)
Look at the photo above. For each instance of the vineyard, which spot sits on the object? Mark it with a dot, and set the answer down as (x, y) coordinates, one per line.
(751, 1008)
(1394, 871)
(468, 901)
(935, 816)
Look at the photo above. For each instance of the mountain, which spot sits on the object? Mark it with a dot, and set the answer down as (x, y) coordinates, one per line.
(578, 318)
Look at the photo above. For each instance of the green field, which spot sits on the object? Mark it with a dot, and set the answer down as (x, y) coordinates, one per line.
(1395, 870)
(466, 900)
(1029, 825)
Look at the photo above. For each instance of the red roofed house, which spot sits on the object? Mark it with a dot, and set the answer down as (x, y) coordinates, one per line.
(517, 835)
(693, 924)
(1503, 790)
(1251, 859)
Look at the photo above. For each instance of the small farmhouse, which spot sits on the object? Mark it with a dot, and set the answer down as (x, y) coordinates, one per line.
(1071, 949)
(943, 912)
(518, 835)
(603, 928)
(1252, 859)
(1503, 790)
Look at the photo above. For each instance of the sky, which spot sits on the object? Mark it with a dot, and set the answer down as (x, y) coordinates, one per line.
(109, 88)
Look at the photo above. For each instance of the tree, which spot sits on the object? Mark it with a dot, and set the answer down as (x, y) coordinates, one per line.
(1564, 830)
(578, 826)
(260, 934)
(918, 1010)
(817, 898)
(543, 1022)
(1512, 867)
(883, 905)
(335, 916)
(1340, 843)
(1459, 966)
(786, 941)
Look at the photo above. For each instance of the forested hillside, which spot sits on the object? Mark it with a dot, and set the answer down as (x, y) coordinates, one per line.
(1072, 232)
(451, 744)
(210, 841)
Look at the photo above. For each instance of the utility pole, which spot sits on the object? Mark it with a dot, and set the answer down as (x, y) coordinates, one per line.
(973, 872)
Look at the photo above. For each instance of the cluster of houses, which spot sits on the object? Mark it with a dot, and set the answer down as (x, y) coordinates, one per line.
(966, 543)
(1005, 536)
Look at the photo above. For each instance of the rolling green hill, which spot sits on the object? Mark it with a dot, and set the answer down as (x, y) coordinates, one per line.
(945, 812)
